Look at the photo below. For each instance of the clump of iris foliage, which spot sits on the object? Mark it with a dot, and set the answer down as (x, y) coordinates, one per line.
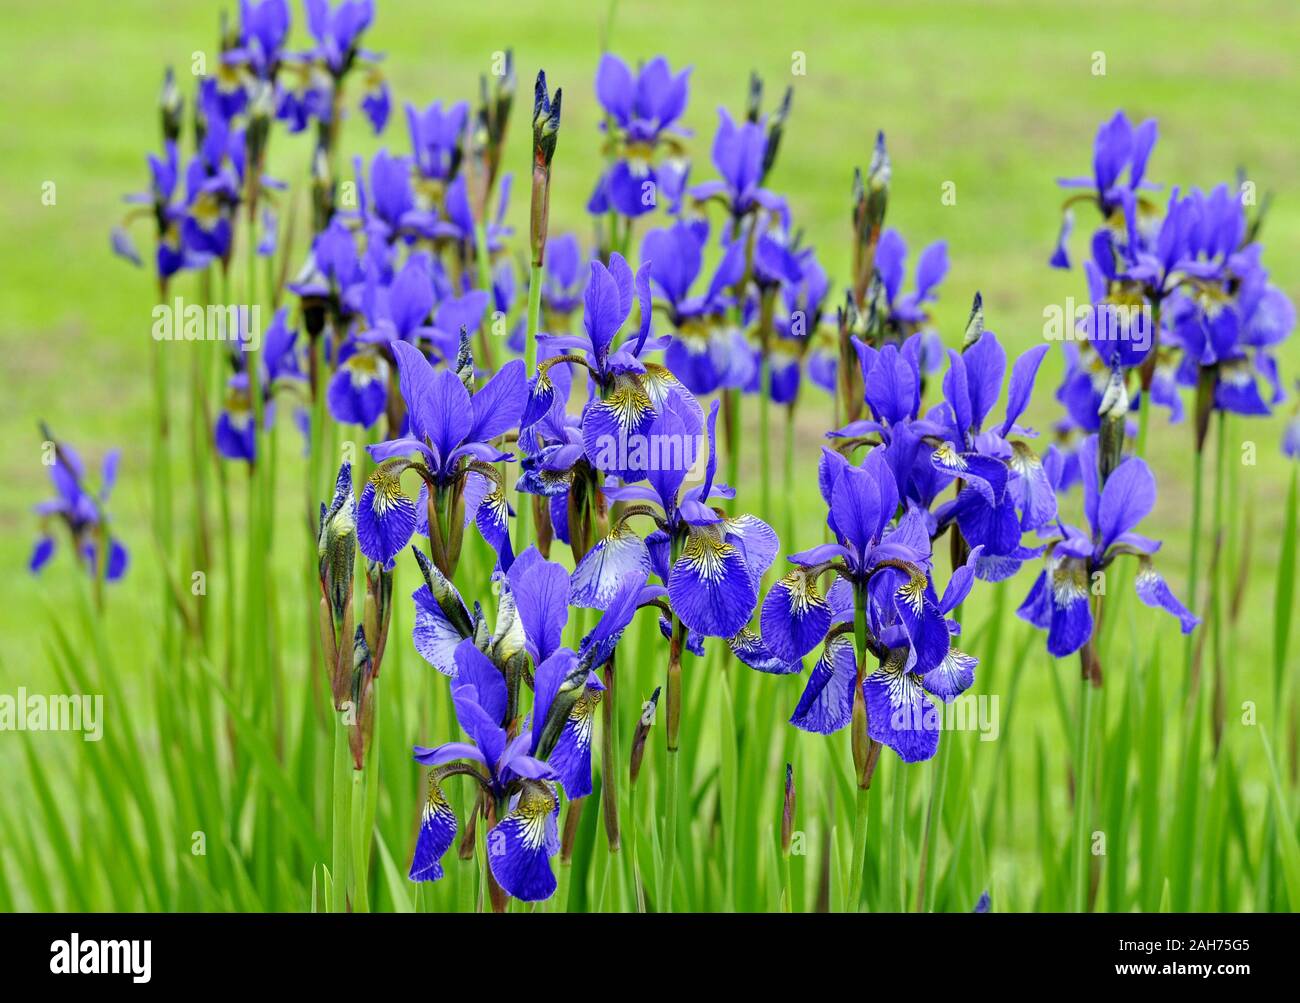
(541, 496)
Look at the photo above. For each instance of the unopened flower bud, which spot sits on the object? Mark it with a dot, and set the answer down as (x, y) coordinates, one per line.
(787, 810)
(974, 323)
(1114, 419)
(642, 731)
(336, 549)
(171, 106)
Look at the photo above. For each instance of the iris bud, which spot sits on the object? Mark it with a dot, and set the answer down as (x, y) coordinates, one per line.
(336, 548)
(642, 730)
(546, 130)
(787, 810)
(1114, 416)
(171, 107)
(975, 323)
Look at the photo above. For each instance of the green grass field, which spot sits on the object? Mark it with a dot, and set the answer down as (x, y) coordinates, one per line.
(998, 99)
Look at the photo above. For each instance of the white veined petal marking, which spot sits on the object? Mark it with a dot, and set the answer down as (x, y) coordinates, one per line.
(948, 456)
(628, 402)
(387, 481)
(707, 554)
(536, 802)
(913, 592)
(801, 592)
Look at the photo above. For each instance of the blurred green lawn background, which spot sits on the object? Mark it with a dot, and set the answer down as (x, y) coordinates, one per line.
(998, 98)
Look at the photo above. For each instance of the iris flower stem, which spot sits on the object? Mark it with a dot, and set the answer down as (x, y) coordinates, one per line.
(789, 478)
(768, 306)
(608, 766)
(859, 850)
(673, 704)
(1083, 796)
(934, 812)
(1144, 405)
(861, 752)
(524, 508)
(731, 427)
(342, 836)
(483, 261)
(1218, 568)
(361, 894)
(1194, 546)
(897, 845)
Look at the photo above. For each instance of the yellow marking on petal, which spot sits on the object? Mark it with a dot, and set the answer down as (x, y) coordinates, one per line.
(949, 457)
(708, 553)
(913, 592)
(628, 402)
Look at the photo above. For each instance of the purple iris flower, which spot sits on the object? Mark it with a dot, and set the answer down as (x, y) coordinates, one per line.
(628, 392)
(710, 563)
(279, 365)
(263, 27)
(1005, 489)
(389, 209)
(642, 113)
(1119, 148)
(166, 201)
(701, 351)
(521, 844)
(82, 512)
(522, 769)
(907, 310)
(564, 278)
(450, 426)
(738, 155)
(1060, 599)
(338, 30)
(458, 223)
(436, 138)
(882, 563)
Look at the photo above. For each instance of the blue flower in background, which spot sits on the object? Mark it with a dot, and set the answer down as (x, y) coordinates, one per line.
(81, 512)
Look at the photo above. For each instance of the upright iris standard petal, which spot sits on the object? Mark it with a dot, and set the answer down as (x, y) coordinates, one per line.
(520, 845)
(899, 714)
(826, 705)
(437, 831)
(710, 586)
(1129, 494)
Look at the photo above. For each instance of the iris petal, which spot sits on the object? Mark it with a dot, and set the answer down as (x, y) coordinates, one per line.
(826, 705)
(899, 714)
(795, 616)
(437, 831)
(520, 845)
(710, 586)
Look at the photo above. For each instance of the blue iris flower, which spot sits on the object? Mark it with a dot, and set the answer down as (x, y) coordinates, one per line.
(82, 513)
(1060, 599)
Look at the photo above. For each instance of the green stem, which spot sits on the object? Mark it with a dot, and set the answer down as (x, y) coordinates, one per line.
(342, 843)
(1194, 564)
(861, 751)
(524, 507)
(896, 838)
(1082, 797)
